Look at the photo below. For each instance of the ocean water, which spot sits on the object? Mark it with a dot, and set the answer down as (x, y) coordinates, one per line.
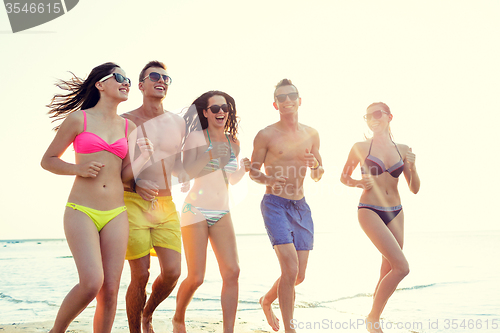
(453, 285)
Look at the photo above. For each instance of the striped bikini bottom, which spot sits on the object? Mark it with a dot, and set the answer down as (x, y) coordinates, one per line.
(211, 215)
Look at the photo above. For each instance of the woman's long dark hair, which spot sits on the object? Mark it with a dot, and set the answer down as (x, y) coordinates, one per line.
(82, 94)
(195, 117)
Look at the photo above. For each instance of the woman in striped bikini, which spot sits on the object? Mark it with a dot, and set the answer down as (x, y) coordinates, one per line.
(211, 157)
(380, 213)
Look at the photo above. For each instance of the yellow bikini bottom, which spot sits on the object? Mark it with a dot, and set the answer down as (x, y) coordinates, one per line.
(99, 217)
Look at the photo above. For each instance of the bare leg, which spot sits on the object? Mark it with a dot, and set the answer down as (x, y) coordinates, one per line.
(170, 264)
(385, 268)
(83, 241)
(114, 237)
(397, 230)
(195, 240)
(383, 237)
(267, 300)
(289, 263)
(303, 258)
(136, 292)
(223, 243)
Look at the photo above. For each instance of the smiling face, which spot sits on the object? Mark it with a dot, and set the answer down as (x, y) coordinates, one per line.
(381, 124)
(288, 106)
(154, 89)
(114, 89)
(218, 119)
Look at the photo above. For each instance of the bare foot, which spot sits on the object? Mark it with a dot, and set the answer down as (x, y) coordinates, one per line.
(147, 324)
(271, 318)
(373, 325)
(178, 326)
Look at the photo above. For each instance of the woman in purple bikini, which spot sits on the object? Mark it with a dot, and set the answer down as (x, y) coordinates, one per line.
(380, 213)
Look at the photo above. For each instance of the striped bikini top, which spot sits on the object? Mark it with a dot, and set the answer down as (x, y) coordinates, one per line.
(88, 142)
(214, 164)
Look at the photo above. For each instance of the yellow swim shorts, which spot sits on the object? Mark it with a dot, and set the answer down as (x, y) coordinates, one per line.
(151, 224)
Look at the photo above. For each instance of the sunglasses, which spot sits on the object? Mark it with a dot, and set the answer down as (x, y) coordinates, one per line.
(375, 115)
(155, 77)
(216, 108)
(118, 77)
(282, 97)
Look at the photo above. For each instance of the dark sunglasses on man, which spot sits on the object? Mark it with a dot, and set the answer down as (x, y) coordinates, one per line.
(155, 77)
(282, 97)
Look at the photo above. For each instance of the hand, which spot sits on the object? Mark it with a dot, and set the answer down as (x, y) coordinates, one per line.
(146, 146)
(90, 169)
(147, 189)
(219, 150)
(183, 179)
(278, 183)
(367, 182)
(310, 159)
(410, 159)
(245, 163)
(185, 187)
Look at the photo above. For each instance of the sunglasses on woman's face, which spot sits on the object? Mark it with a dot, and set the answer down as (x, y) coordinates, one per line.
(118, 77)
(282, 97)
(216, 108)
(375, 115)
(155, 77)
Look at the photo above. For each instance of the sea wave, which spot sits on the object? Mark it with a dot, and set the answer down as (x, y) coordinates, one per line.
(11, 299)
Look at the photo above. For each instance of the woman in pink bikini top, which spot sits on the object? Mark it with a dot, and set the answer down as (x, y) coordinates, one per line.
(95, 221)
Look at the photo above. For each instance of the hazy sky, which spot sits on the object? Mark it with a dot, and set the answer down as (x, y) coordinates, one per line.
(435, 63)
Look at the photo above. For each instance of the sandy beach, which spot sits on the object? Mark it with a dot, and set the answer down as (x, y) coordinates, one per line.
(308, 320)
(159, 326)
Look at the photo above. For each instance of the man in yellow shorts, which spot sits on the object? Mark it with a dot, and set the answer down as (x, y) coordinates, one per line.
(153, 219)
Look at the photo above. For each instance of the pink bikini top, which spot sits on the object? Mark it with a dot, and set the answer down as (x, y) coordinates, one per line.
(87, 142)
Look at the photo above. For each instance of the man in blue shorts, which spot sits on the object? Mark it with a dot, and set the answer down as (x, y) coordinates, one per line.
(287, 149)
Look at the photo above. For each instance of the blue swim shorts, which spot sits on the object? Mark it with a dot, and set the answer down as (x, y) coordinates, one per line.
(288, 221)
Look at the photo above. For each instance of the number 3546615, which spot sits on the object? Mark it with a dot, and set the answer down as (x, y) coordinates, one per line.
(33, 8)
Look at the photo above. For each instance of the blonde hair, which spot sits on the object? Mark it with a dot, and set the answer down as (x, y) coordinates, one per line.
(385, 107)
